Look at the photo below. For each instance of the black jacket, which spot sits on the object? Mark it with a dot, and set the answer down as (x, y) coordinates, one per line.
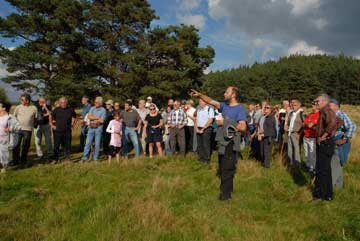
(270, 126)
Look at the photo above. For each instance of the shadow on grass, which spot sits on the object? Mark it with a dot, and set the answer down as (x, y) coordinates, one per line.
(297, 175)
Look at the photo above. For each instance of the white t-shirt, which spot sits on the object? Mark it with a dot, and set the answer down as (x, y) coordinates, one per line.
(190, 113)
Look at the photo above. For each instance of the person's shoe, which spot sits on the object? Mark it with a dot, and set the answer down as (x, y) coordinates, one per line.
(315, 199)
(328, 199)
(224, 197)
(53, 162)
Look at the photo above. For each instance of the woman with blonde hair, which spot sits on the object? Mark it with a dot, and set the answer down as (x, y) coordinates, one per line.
(268, 135)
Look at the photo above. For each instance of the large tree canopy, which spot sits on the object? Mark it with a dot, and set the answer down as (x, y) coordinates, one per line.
(99, 46)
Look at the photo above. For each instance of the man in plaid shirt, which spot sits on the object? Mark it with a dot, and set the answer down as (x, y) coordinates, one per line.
(344, 133)
(177, 120)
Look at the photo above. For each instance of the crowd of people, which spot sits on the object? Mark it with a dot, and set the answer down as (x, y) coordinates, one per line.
(324, 134)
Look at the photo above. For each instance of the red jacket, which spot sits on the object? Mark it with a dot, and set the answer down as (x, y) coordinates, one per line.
(311, 118)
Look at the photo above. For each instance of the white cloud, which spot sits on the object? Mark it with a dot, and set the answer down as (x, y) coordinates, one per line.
(189, 4)
(303, 48)
(300, 7)
(197, 20)
(216, 11)
(320, 23)
(329, 25)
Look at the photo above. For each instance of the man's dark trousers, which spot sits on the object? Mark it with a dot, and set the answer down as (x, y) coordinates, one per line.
(189, 136)
(266, 150)
(62, 138)
(323, 181)
(177, 135)
(24, 143)
(227, 169)
(204, 145)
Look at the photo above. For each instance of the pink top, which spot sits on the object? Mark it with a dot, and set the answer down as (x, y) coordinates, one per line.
(114, 128)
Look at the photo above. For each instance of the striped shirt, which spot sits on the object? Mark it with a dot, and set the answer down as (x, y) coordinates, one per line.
(348, 128)
(177, 117)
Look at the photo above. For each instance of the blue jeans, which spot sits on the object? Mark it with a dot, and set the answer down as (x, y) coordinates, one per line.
(40, 131)
(132, 135)
(344, 151)
(252, 128)
(93, 133)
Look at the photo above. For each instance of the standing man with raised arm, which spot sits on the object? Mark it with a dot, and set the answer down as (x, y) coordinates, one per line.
(233, 112)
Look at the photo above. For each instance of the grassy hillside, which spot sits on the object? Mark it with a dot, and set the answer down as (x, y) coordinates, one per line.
(174, 199)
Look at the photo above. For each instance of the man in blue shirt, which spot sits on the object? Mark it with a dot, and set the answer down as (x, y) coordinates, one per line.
(84, 126)
(231, 109)
(97, 115)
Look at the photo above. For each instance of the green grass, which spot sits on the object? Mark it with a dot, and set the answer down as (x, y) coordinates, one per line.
(172, 199)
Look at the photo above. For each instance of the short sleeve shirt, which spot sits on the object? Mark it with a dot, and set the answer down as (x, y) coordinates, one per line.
(63, 118)
(236, 113)
(98, 112)
(153, 120)
(131, 119)
(203, 115)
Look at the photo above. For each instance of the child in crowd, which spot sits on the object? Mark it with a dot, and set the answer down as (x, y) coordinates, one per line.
(9, 128)
(115, 127)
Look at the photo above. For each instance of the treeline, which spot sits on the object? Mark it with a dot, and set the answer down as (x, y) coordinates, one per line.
(296, 76)
(108, 47)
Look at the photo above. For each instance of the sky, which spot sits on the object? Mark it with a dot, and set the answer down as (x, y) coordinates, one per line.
(246, 31)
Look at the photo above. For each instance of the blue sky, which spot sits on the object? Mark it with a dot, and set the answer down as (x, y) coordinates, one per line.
(245, 31)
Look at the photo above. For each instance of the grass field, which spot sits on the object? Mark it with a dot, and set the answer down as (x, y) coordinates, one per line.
(174, 199)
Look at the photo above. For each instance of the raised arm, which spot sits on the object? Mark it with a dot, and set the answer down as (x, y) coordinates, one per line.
(205, 98)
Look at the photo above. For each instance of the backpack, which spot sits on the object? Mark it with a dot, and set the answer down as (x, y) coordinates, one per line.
(14, 129)
(213, 124)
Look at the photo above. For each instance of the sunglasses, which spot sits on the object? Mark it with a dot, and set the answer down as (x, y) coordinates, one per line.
(152, 109)
(267, 107)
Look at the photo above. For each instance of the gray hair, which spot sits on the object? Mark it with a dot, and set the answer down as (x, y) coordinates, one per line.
(99, 99)
(325, 97)
(297, 101)
(285, 102)
(190, 102)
